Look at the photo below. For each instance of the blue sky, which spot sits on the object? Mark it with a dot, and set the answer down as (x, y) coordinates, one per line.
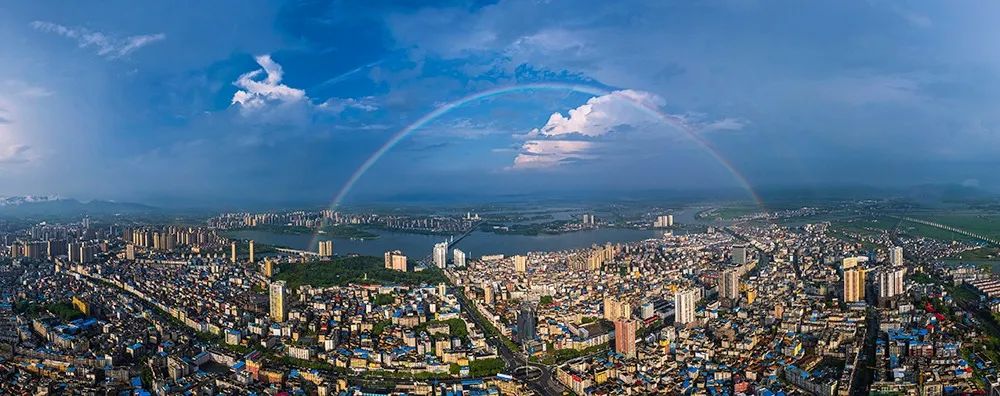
(209, 101)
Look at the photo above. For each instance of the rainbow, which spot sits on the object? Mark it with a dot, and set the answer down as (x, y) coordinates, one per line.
(654, 112)
(590, 90)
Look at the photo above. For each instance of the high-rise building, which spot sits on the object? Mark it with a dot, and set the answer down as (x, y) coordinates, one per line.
(487, 293)
(325, 248)
(459, 258)
(848, 263)
(647, 310)
(441, 254)
(77, 252)
(729, 284)
(232, 251)
(279, 300)
(588, 219)
(526, 324)
(597, 257)
(55, 248)
(740, 256)
(130, 252)
(615, 309)
(268, 268)
(854, 284)
(890, 282)
(684, 304)
(664, 221)
(625, 337)
(72, 252)
(896, 256)
(396, 261)
(521, 264)
(251, 251)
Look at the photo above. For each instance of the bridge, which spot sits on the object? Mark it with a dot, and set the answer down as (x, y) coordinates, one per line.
(950, 228)
(455, 240)
(296, 251)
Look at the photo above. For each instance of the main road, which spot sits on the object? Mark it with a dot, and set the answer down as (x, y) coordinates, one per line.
(545, 384)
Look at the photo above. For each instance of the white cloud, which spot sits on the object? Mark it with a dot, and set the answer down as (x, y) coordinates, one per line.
(257, 92)
(602, 114)
(608, 118)
(725, 124)
(15, 154)
(108, 46)
(338, 105)
(262, 94)
(550, 153)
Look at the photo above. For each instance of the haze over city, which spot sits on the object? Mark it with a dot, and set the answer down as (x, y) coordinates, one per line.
(284, 101)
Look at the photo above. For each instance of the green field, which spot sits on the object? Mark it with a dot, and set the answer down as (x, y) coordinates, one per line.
(345, 270)
(864, 226)
(729, 212)
(983, 223)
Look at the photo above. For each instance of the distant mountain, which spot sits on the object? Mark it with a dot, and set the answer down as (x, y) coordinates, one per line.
(13, 201)
(54, 206)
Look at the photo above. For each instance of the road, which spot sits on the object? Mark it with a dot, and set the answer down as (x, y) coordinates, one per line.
(864, 372)
(545, 384)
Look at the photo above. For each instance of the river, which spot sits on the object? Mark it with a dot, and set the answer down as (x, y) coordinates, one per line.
(475, 244)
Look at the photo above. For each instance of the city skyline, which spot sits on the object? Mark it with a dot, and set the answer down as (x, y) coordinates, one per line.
(499, 197)
(328, 102)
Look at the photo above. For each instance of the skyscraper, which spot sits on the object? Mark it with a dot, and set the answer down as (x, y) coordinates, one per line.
(459, 258)
(896, 256)
(521, 264)
(325, 248)
(441, 254)
(890, 282)
(251, 251)
(625, 337)
(664, 221)
(279, 299)
(130, 252)
(729, 284)
(232, 251)
(854, 284)
(684, 305)
(740, 254)
(526, 323)
(487, 292)
(268, 268)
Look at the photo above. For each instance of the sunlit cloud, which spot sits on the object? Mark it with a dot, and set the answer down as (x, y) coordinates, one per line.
(607, 118)
(537, 154)
(262, 89)
(256, 92)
